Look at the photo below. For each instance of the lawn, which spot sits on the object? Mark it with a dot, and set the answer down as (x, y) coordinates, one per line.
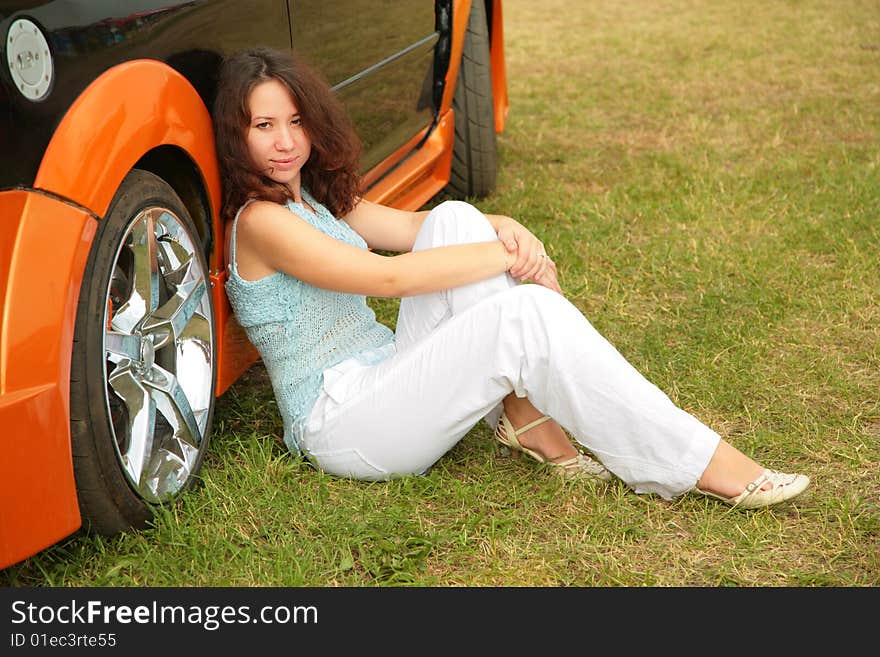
(707, 176)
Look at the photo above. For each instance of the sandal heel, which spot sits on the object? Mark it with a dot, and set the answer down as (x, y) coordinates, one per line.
(577, 467)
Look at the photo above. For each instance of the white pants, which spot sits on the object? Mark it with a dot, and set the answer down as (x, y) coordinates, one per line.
(459, 352)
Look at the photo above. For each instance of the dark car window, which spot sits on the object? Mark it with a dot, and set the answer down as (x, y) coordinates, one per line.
(378, 54)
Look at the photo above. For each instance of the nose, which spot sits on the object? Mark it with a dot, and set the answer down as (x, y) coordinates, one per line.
(284, 142)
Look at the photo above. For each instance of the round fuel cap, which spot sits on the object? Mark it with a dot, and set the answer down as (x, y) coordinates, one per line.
(29, 59)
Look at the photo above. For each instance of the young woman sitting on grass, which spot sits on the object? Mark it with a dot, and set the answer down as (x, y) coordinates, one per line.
(471, 342)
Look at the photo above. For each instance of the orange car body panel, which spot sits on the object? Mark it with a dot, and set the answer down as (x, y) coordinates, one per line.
(425, 172)
(37, 312)
(88, 156)
(125, 113)
(499, 67)
(108, 143)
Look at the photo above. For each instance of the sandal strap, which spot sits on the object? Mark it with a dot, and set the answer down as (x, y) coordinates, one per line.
(531, 425)
(581, 465)
(567, 463)
(756, 484)
(577, 466)
(782, 487)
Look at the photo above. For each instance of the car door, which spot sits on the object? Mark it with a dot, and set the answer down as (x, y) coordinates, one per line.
(379, 57)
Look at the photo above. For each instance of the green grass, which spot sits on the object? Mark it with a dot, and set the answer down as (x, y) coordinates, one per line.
(707, 176)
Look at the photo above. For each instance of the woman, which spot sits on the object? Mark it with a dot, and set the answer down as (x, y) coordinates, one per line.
(471, 343)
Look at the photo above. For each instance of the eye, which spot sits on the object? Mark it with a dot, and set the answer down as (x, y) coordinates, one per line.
(296, 121)
(262, 125)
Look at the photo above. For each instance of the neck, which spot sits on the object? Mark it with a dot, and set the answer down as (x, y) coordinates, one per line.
(295, 190)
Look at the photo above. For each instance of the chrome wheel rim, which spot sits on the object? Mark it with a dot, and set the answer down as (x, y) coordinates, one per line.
(159, 354)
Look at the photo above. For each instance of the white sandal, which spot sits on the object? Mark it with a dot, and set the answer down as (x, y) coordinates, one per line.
(580, 466)
(783, 487)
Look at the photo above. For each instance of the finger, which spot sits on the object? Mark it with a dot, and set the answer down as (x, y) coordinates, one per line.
(508, 239)
(532, 269)
(556, 284)
(542, 259)
(521, 266)
(540, 265)
(539, 261)
(548, 279)
(550, 283)
(550, 273)
(540, 268)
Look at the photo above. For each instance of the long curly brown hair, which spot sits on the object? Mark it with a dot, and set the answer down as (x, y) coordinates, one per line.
(332, 172)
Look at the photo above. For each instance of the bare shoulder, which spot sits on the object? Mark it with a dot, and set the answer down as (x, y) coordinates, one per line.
(265, 233)
(265, 218)
(261, 212)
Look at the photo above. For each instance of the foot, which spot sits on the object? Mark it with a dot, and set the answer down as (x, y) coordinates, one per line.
(768, 488)
(545, 446)
(736, 479)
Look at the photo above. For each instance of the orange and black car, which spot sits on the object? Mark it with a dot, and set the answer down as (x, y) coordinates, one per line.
(115, 334)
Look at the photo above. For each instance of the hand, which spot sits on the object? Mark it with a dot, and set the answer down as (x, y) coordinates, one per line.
(548, 277)
(531, 258)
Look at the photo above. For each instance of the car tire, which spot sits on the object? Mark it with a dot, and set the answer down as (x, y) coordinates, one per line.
(144, 362)
(474, 157)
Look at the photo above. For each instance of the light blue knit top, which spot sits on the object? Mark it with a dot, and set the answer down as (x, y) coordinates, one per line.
(301, 330)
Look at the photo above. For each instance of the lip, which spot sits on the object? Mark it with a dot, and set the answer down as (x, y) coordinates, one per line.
(285, 163)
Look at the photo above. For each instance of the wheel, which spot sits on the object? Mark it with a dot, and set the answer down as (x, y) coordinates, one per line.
(144, 359)
(474, 156)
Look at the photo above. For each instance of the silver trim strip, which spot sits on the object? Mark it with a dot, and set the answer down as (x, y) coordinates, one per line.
(371, 69)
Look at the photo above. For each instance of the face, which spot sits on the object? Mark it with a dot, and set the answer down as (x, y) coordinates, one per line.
(276, 141)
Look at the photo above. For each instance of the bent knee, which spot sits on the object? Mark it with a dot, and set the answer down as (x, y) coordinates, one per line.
(544, 303)
(463, 220)
(539, 295)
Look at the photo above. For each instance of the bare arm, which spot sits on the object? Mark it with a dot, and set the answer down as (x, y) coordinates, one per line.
(395, 230)
(269, 239)
(385, 228)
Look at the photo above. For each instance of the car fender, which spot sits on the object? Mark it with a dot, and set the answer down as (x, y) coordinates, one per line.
(126, 112)
(123, 114)
(129, 110)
